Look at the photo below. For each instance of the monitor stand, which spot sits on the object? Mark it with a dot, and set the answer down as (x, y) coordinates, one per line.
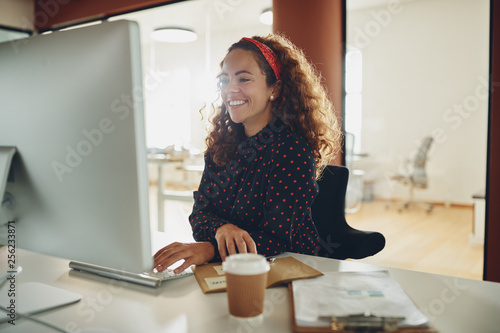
(7, 201)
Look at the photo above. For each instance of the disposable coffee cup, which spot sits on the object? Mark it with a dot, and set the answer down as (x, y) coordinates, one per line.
(246, 280)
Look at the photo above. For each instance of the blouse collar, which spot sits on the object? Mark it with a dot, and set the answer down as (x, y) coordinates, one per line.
(265, 135)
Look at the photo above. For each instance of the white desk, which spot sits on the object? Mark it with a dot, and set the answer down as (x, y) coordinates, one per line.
(452, 304)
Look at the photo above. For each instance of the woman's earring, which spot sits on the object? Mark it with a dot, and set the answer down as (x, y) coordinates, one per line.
(271, 98)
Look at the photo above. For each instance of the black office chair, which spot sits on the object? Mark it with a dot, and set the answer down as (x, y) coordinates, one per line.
(338, 239)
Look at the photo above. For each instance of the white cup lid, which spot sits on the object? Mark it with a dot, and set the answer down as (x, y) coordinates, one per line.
(246, 264)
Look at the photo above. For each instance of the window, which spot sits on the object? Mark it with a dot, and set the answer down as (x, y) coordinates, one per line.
(353, 99)
(168, 108)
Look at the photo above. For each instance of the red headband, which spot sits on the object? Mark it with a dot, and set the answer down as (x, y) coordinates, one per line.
(270, 56)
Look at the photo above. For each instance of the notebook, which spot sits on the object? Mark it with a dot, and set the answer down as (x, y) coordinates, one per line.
(212, 278)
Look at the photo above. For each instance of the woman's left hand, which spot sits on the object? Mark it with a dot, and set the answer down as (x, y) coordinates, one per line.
(235, 240)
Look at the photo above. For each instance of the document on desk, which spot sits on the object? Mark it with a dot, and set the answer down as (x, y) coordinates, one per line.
(342, 294)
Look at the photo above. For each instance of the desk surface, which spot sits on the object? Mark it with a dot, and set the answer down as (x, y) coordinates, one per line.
(452, 304)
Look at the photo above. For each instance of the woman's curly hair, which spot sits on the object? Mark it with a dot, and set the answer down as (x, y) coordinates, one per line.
(302, 105)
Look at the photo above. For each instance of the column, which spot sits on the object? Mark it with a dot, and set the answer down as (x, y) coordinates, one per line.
(318, 28)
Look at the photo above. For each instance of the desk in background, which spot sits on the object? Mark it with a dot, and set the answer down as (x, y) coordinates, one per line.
(452, 304)
(188, 164)
(477, 235)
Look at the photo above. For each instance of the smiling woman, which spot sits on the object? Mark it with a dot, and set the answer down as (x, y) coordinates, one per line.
(272, 135)
(245, 93)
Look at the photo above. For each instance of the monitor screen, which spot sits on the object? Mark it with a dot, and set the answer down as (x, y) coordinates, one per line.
(72, 106)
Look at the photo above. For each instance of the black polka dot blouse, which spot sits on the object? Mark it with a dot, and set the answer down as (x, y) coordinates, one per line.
(267, 189)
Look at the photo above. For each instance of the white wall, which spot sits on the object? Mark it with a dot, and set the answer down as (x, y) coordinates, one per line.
(425, 64)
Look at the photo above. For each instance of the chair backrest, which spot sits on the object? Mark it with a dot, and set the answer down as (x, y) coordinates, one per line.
(422, 153)
(419, 175)
(337, 238)
(327, 209)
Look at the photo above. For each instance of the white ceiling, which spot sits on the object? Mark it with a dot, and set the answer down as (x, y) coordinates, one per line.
(200, 15)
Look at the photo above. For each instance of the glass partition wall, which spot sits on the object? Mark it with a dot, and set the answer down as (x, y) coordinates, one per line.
(424, 73)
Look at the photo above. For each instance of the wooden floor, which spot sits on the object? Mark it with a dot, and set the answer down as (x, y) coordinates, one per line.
(435, 243)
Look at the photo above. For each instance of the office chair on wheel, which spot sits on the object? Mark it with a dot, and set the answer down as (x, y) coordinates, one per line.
(338, 239)
(414, 175)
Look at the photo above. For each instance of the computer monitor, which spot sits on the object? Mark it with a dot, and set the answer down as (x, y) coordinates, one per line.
(72, 106)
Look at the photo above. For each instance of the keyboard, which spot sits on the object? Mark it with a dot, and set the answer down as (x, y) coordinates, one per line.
(149, 278)
(169, 274)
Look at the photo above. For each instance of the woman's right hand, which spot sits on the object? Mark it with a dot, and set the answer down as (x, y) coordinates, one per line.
(235, 240)
(191, 253)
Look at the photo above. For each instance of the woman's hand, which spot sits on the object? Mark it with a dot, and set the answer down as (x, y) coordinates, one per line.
(232, 238)
(192, 253)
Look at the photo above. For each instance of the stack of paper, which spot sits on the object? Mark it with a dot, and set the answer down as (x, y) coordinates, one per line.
(340, 294)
